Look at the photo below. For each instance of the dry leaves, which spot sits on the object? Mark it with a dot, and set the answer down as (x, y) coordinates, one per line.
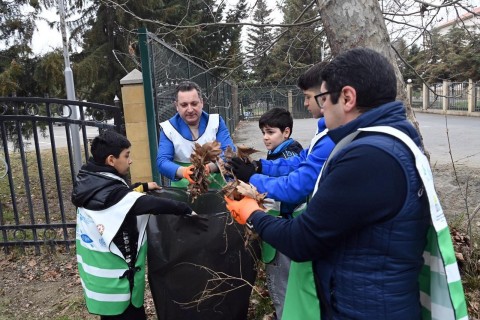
(201, 156)
(234, 189)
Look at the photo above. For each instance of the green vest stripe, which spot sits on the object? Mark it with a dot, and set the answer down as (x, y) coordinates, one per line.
(105, 293)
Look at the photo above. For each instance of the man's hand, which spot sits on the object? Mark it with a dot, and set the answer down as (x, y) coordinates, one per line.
(241, 210)
(187, 172)
(241, 169)
(207, 169)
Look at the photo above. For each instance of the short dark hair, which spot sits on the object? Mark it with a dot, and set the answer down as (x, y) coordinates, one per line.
(276, 118)
(108, 143)
(366, 70)
(312, 77)
(188, 86)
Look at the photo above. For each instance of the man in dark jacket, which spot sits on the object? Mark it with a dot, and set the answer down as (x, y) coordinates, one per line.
(365, 228)
(111, 221)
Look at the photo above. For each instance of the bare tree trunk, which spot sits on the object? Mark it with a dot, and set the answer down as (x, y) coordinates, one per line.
(359, 23)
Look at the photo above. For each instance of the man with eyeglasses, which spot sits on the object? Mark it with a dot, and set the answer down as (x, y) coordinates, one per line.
(188, 126)
(291, 181)
(365, 228)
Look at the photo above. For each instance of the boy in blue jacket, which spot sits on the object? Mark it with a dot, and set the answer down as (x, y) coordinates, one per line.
(276, 126)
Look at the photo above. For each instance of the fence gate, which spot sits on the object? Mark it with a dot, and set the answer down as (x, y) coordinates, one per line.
(37, 166)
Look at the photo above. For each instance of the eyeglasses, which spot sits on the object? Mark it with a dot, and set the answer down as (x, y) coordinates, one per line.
(318, 97)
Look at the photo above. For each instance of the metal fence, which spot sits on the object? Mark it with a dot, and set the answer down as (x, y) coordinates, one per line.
(169, 67)
(453, 95)
(37, 166)
(255, 101)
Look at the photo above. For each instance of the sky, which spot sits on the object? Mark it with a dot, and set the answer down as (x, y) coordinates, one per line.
(46, 39)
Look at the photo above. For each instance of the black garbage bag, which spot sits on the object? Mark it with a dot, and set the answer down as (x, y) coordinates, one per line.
(196, 274)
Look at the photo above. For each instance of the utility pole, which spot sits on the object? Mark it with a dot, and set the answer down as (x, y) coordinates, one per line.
(70, 88)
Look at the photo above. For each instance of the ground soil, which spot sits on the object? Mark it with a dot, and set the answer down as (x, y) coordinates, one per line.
(47, 286)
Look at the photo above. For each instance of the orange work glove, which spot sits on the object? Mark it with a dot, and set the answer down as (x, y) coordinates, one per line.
(187, 172)
(241, 210)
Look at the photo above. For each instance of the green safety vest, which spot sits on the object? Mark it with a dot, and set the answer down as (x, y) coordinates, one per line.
(101, 264)
(441, 290)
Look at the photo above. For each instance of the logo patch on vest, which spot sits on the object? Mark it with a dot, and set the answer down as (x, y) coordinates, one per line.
(100, 228)
(86, 238)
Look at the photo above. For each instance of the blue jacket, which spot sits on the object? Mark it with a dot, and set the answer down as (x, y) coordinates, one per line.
(166, 150)
(365, 228)
(287, 149)
(293, 179)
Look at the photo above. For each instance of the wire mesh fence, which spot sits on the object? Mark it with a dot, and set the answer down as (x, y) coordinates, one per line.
(255, 101)
(169, 67)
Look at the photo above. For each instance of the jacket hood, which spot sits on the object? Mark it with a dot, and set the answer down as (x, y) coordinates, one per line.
(92, 180)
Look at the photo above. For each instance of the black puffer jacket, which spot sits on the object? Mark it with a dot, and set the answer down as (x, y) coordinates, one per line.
(94, 190)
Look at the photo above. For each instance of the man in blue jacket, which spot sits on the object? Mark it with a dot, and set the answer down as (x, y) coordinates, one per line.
(188, 126)
(365, 228)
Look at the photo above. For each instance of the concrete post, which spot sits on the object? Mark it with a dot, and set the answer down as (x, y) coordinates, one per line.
(290, 102)
(409, 93)
(425, 97)
(446, 94)
(471, 96)
(134, 111)
(235, 107)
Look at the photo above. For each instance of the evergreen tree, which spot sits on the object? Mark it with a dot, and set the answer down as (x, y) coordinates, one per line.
(17, 24)
(187, 26)
(454, 56)
(258, 44)
(299, 47)
(108, 37)
(232, 56)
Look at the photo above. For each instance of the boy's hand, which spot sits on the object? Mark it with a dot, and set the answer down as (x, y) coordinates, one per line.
(243, 209)
(153, 186)
(241, 169)
(187, 172)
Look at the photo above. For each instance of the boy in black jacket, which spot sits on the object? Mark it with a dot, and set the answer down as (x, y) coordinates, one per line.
(111, 221)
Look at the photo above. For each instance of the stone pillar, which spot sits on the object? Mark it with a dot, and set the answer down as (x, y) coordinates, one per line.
(409, 93)
(471, 96)
(136, 126)
(290, 102)
(425, 96)
(235, 107)
(446, 94)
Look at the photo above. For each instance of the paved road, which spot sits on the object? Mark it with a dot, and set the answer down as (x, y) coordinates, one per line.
(60, 138)
(463, 137)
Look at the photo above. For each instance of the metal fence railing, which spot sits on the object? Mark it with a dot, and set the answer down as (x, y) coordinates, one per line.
(37, 166)
(255, 101)
(446, 96)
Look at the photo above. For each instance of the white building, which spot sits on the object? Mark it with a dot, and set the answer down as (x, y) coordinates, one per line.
(471, 20)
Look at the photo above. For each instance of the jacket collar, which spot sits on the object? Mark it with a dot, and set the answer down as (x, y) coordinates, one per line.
(386, 114)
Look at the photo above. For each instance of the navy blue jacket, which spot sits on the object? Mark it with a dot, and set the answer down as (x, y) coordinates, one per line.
(365, 228)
